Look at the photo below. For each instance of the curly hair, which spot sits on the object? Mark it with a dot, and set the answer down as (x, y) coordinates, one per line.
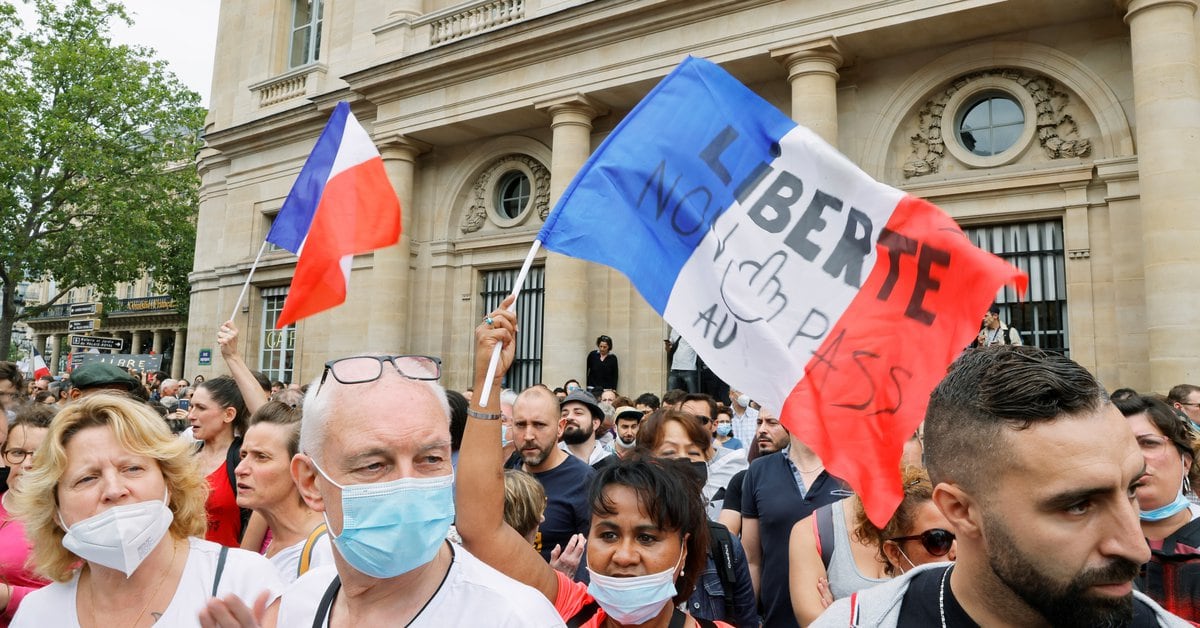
(140, 431)
(917, 490)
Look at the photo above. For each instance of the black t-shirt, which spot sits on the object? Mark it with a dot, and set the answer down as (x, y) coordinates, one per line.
(733, 492)
(567, 509)
(921, 608)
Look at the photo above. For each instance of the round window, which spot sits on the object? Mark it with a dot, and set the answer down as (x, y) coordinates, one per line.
(991, 125)
(512, 194)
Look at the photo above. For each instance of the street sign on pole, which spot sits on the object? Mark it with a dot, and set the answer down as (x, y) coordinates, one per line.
(83, 324)
(97, 342)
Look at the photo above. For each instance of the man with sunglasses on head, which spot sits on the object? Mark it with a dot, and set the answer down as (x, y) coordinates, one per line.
(375, 460)
(1035, 470)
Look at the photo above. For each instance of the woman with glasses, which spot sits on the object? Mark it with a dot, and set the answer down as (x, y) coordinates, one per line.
(1170, 522)
(218, 418)
(16, 580)
(113, 507)
(838, 551)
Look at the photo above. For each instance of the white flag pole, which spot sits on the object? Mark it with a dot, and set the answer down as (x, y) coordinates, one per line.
(249, 276)
(516, 291)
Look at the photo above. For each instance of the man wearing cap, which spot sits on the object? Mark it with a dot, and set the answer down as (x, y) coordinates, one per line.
(628, 418)
(99, 377)
(583, 417)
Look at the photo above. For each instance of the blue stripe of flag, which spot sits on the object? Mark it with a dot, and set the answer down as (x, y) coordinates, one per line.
(295, 217)
(647, 196)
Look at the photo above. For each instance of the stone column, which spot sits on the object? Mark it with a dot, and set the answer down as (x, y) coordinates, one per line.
(406, 9)
(1166, 95)
(55, 352)
(135, 342)
(178, 353)
(813, 75)
(157, 346)
(388, 315)
(565, 319)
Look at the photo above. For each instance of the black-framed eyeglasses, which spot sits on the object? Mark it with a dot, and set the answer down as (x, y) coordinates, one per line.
(936, 541)
(16, 456)
(361, 369)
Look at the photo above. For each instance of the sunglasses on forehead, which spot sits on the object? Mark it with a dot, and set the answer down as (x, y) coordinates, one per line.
(936, 541)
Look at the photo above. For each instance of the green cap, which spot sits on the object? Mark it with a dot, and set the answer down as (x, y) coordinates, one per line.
(100, 374)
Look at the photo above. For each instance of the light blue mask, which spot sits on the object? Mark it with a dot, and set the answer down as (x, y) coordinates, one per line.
(633, 600)
(390, 528)
(1164, 512)
(724, 429)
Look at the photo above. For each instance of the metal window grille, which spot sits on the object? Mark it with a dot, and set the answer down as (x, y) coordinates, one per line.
(277, 347)
(1036, 248)
(526, 369)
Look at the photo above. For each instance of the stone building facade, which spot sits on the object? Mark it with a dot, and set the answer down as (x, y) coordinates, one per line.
(1062, 135)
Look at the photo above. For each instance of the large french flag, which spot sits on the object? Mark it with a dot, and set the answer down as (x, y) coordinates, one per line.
(799, 279)
(341, 205)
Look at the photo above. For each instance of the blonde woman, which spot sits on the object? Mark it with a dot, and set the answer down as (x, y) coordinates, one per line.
(114, 508)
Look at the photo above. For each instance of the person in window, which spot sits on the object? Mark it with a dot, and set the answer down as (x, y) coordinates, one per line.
(995, 331)
(602, 369)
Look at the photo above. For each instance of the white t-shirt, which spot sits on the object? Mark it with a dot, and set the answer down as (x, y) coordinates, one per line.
(684, 358)
(246, 575)
(473, 594)
(287, 560)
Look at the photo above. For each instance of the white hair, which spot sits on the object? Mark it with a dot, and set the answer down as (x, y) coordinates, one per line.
(508, 397)
(318, 408)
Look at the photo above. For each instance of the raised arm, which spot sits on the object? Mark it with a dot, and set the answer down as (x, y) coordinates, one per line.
(479, 490)
(252, 393)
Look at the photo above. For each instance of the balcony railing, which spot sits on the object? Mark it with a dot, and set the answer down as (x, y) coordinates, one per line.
(479, 18)
(139, 305)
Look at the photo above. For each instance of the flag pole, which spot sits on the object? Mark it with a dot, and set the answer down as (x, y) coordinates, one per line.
(516, 291)
(249, 276)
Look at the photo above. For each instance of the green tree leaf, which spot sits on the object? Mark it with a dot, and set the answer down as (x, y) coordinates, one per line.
(98, 181)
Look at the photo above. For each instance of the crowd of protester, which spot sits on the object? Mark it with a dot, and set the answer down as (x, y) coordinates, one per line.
(373, 497)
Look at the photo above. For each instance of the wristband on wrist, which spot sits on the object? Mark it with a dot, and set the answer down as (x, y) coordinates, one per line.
(486, 416)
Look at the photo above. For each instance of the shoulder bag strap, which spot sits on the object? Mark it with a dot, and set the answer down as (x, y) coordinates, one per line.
(220, 569)
(582, 616)
(823, 525)
(322, 616)
(306, 553)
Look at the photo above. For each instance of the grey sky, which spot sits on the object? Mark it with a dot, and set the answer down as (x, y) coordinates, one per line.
(183, 32)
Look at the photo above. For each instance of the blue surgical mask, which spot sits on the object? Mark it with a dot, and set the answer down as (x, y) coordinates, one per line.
(633, 600)
(504, 439)
(724, 429)
(1165, 512)
(390, 528)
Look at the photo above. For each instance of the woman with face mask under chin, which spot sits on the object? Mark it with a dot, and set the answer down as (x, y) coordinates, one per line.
(648, 538)
(114, 507)
(1170, 523)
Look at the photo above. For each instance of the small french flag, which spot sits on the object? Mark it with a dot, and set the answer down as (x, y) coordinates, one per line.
(341, 205)
(39, 365)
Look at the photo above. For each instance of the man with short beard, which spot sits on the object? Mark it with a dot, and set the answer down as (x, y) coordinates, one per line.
(628, 419)
(583, 416)
(537, 426)
(1036, 471)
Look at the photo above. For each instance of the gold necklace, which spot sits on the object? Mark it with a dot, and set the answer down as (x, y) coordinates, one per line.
(149, 600)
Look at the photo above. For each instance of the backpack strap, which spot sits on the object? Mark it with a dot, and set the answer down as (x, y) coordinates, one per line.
(823, 533)
(720, 547)
(581, 617)
(322, 616)
(309, 545)
(220, 569)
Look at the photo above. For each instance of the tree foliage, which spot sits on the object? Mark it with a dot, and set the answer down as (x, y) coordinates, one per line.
(98, 182)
